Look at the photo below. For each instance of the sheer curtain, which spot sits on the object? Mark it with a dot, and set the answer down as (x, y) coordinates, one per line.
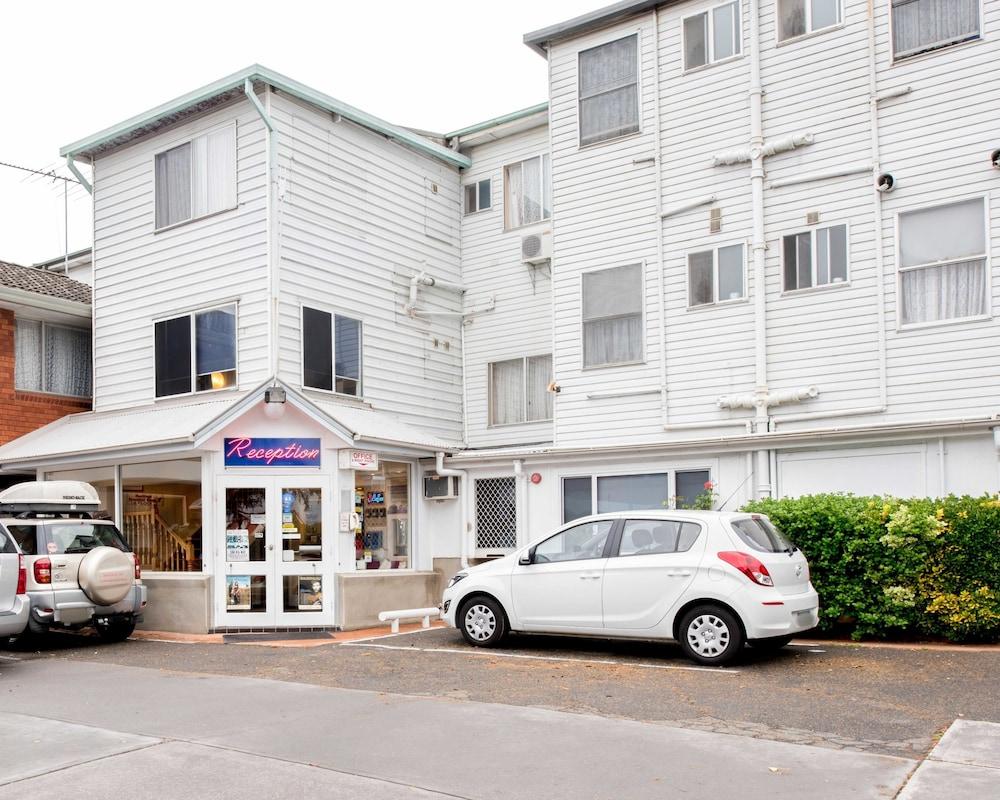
(173, 186)
(539, 397)
(920, 24)
(28, 355)
(609, 103)
(67, 361)
(949, 291)
(214, 171)
(515, 196)
(507, 392)
(612, 316)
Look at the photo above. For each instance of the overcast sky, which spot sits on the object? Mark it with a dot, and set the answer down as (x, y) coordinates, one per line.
(75, 69)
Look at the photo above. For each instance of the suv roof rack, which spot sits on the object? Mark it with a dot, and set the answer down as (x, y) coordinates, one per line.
(44, 513)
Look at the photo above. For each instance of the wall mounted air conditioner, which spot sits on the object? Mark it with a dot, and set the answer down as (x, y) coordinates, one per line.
(536, 248)
(437, 487)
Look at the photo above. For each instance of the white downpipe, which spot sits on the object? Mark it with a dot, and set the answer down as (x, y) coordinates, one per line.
(658, 184)
(465, 506)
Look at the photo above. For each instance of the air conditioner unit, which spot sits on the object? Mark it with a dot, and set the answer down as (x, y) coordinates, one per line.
(438, 487)
(536, 248)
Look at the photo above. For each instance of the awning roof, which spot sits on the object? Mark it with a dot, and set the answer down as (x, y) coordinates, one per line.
(161, 428)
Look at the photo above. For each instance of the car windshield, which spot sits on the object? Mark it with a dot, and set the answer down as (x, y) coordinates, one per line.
(760, 534)
(82, 537)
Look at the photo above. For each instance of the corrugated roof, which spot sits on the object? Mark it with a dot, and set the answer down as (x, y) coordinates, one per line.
(40, 281)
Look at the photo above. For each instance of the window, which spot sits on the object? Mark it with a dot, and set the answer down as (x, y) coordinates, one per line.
(612, 316)
(712, 36)
(799, 17)
(579, 543)
(196, 178)
(609, 90)
(689, 484)
(922, 25)
(519, 390)
(642, 537)
(331, 352)
(578, 500)
(630, 492)
(496, 514)
(161, 514)
(760, 534)
(815, 258)
(942, 262)
(715, 276)
(528, 187)
(51, 358)
(382, 502)
(196, 352)
(478, 196)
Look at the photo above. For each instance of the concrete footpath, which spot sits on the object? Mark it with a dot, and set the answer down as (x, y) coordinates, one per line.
(106, 730)
(964, 764)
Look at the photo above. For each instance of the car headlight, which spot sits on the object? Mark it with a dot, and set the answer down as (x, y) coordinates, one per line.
(456, 578)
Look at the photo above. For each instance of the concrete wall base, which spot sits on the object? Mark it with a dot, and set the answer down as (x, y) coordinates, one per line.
(362, 596)
(178, 602)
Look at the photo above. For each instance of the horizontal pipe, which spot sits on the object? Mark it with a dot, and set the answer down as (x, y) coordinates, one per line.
(678, 209)
(889, 94)
(851, 412)
(806, 177)
(612, 395)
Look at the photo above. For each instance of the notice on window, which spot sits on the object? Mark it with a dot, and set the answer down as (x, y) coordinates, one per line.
(258, 519)
(310, 594)
(238, 545)
(237, 592)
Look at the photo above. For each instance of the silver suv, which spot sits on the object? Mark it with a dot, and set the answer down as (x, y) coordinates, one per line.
(80, 570)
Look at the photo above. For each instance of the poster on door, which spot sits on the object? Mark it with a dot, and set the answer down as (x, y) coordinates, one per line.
(310, 594)
(238, 545)
(237, 593)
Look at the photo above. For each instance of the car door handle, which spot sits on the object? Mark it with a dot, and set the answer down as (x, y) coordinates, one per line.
(677, 573)
(590, 577)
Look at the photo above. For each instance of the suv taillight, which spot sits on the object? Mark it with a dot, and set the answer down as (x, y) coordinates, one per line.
(749, 566)
(138, 566)
(43, 570)
(22, 575)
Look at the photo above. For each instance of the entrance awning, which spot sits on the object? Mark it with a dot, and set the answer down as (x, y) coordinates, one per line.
(165, 428)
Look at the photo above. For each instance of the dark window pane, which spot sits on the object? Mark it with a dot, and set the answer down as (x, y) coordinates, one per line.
(215, 340)
(791, 18)
(348, 346)
(317, 349)
(838, 253)
(791, 270)
(695, 37)
(173, 356)
(689, 485)
(577, 500)
(470, 198)
(485, 194)
(700, 289)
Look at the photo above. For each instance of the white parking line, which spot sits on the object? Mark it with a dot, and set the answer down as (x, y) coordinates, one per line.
(530, 657)
(393, 635)
(9, 658)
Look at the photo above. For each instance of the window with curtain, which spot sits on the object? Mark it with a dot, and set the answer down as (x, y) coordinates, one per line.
(196, 178)
(478, 196)
(612, 316)
(52, 358)
(632, 492)
(799, 17)
(519, 390)
(209, 365)
(528, 191)
(715, 276)
(331, 352)
(942, 262)
(712, 35)
(609, 90)
(817, 257)
(922, 25)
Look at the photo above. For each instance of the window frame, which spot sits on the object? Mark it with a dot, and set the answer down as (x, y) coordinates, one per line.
(710, 59)
(333, 353)
(524, 392)
(715, 275)
(611, 38)
(810, 31)
(932, 48)
(546, 192)
(812, 230)
(987, 265)
(187, 140)
(610, 543)
(652, 469)
(46, 324)
(477, 184)
(194, 349)
(642, 315)
(617, 551)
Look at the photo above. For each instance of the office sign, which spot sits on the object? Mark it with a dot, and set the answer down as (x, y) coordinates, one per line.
(267, 452)
(363, 460)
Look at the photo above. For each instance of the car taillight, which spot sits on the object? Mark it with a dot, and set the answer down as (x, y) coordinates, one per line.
(138, 566)
(749, 566)
(22, 575)
(43, 570)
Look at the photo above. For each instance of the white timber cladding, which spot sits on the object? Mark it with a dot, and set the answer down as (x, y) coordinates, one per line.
(521, 323)
(141, 275)
(359, 216)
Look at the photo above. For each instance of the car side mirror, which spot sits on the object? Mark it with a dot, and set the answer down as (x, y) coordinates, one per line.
(527, 557)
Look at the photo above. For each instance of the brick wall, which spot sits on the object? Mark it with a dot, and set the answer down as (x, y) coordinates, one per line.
(22, 412)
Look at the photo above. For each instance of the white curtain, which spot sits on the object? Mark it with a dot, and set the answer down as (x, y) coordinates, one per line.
(696, 41)
(539, 375)
(919, 24)
(507, 392)
(214, 171)
(612, 315)
(173, 186)
(700, 289)
(791, 18)
(515, 196)
(609, 103)
(950, 291)
(942, 233)
(28, 355)
(67, 361)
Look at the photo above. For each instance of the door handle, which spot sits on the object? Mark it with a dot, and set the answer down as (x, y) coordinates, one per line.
(677, 573)
(590, 577)
(270, 547)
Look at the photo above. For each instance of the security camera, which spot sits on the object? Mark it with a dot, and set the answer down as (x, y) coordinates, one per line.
(885, 182)
(995, 159)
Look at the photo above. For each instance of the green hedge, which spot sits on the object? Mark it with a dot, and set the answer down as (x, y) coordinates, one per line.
(886, 567)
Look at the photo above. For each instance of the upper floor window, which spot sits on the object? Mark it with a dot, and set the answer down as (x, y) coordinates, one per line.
(478, 196)
(612, 316)
(922, 25)
(196, 178)
(331, 352)
(815, 258)
(196, 352)
(51, 358)
(712, 35)
(609, 90)
(715, 276)
(528, 186)
(519, 390)
(942, 262)
(799, 17)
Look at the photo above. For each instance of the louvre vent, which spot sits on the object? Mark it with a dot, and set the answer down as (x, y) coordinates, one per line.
(715, 220)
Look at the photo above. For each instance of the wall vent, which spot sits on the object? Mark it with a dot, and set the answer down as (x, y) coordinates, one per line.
(812, 217)
(715, 220)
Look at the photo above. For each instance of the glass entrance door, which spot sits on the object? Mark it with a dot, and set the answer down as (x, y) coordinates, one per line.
(274, 553)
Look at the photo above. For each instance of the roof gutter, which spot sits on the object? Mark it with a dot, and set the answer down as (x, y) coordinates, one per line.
(513, 116)
(72, 167)
(8, 294)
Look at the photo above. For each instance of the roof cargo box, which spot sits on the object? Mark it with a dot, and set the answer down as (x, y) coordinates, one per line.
(49, 496)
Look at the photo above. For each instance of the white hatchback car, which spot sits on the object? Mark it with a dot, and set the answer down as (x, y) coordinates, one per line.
(711, 580)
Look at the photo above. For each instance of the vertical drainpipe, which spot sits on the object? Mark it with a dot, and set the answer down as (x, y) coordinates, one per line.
(658, 222)
(877, 208)
(759, 249)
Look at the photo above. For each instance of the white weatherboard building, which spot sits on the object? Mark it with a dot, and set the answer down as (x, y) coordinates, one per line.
(745, 244)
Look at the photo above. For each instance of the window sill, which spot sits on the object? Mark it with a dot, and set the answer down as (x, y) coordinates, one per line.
(330, 394)
(499, 426)
(616, 364)
(477, 212)
(920, 55)
(826, 287)
(206, 392)
(624, 137)
(736, 301)
(76, 398)
(527, 225)
(184, 222)
(809, 35)
(710, 64)
(942, 323)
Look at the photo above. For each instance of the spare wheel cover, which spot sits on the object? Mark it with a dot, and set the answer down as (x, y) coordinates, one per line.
(106, 575)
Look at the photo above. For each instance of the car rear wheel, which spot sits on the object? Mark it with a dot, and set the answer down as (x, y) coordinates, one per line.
(711, 635)
(482, 622)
